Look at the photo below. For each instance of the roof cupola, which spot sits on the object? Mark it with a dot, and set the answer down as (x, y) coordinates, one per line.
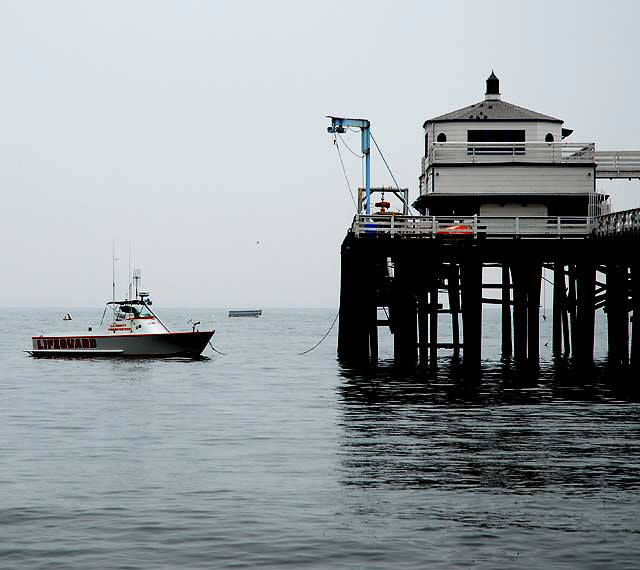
(493, 88)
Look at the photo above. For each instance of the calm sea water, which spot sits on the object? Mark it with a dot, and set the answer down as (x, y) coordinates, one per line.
(266, 459)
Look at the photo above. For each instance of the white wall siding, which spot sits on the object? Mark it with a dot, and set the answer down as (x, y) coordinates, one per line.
(513, 210)
(456, 131)
(513, 179)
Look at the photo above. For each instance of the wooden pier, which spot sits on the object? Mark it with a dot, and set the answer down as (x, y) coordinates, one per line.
(504, 200)
(407, 264)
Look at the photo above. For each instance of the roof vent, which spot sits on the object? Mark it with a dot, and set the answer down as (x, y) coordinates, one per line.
(493, 88)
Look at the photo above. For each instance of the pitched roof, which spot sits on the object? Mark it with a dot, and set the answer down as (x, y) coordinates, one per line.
(493, 110)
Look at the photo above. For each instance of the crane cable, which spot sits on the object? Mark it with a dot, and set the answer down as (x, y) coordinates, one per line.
(344, 170)
(387, 165)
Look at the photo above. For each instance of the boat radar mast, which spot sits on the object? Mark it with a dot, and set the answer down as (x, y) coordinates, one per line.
(137, 274)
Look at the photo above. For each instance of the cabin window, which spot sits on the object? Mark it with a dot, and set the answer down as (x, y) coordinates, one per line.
(548, 138)
(442, 137)
(495, 136)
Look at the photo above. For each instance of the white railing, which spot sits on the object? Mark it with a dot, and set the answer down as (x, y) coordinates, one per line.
(471, 227)
(622, 223)
(617, 163)
(482, 153)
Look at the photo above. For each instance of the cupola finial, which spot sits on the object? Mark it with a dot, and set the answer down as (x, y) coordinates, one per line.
(493, 87)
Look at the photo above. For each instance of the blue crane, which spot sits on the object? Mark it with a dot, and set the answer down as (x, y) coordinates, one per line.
(339, 125)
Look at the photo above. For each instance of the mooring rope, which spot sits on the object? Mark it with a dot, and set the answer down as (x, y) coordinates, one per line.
(322, 339)
(216, 350)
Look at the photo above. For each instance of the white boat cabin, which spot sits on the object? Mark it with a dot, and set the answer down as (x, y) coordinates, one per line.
(494, 158)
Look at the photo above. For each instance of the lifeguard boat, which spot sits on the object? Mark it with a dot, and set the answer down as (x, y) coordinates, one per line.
(135, 331)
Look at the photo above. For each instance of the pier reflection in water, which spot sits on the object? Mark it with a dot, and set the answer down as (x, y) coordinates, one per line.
(506, 464)
(502, 430)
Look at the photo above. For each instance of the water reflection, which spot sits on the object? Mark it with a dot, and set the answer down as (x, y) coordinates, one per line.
(502, 429)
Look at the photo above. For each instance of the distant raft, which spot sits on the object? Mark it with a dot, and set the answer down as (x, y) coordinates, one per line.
(250, 313)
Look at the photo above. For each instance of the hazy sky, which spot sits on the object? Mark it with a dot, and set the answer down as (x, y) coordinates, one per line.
(196, 130)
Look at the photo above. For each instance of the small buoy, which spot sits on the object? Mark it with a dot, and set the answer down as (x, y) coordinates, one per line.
(67, 317)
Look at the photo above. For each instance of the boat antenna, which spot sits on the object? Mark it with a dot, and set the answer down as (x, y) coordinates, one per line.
(113, 270)
(129, 274)
(137, 274)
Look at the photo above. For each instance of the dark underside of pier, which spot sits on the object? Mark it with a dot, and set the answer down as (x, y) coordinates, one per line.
(408, 276)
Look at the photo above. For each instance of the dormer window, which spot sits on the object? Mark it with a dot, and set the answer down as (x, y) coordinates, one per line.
(442, 138)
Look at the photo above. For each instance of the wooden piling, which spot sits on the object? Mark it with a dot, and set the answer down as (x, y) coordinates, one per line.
(585, 297)
(471, 281)
(507, 344)
(423, 327)
(534, 277)
(354, 326)
(558, 307)
(572, 309)
(433, 323)
(454, 305)
(403, 300)
(518, 274)
(616, 302)
(635, 323)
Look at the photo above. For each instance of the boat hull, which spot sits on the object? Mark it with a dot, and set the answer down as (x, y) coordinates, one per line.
(161, 345)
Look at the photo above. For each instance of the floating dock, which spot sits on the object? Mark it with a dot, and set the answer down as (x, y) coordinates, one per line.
(246, 313)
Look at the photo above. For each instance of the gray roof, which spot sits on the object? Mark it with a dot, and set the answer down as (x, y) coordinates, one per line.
(493, 110)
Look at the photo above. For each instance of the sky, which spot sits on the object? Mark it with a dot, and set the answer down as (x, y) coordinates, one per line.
(194, 132)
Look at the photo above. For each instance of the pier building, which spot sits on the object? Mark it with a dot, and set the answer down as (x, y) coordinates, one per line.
(503, 191)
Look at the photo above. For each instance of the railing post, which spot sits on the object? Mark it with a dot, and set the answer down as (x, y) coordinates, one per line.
(517, 226)
(434, 226)
(475, 226)
(559, 226)
(393, 225)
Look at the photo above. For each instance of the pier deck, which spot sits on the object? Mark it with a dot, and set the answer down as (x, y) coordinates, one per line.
(405, 263)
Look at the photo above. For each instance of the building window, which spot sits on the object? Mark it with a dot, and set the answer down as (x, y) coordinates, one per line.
(548, 138)
(426, 144)
(442, 137)
(495, 136)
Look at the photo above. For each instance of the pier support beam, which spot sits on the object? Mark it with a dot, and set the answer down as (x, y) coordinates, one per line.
(635, 324)
(357, 289)
(507, 345)
(616, 302)
(534, 277)
(433, 323)
(403, 312)
(559, 305)
(454, 305)
(572, 308)
(518, 273)
(585, 317)
(423, 327)
(471, 279)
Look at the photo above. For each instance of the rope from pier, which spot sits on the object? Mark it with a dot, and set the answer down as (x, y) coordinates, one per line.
(322, 339)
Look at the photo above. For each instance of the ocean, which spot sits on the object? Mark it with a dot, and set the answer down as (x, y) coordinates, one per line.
(264, 458)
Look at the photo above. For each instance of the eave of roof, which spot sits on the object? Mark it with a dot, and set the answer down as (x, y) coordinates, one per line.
(492, 110)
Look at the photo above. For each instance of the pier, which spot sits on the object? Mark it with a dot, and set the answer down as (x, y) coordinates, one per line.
(503, 202)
